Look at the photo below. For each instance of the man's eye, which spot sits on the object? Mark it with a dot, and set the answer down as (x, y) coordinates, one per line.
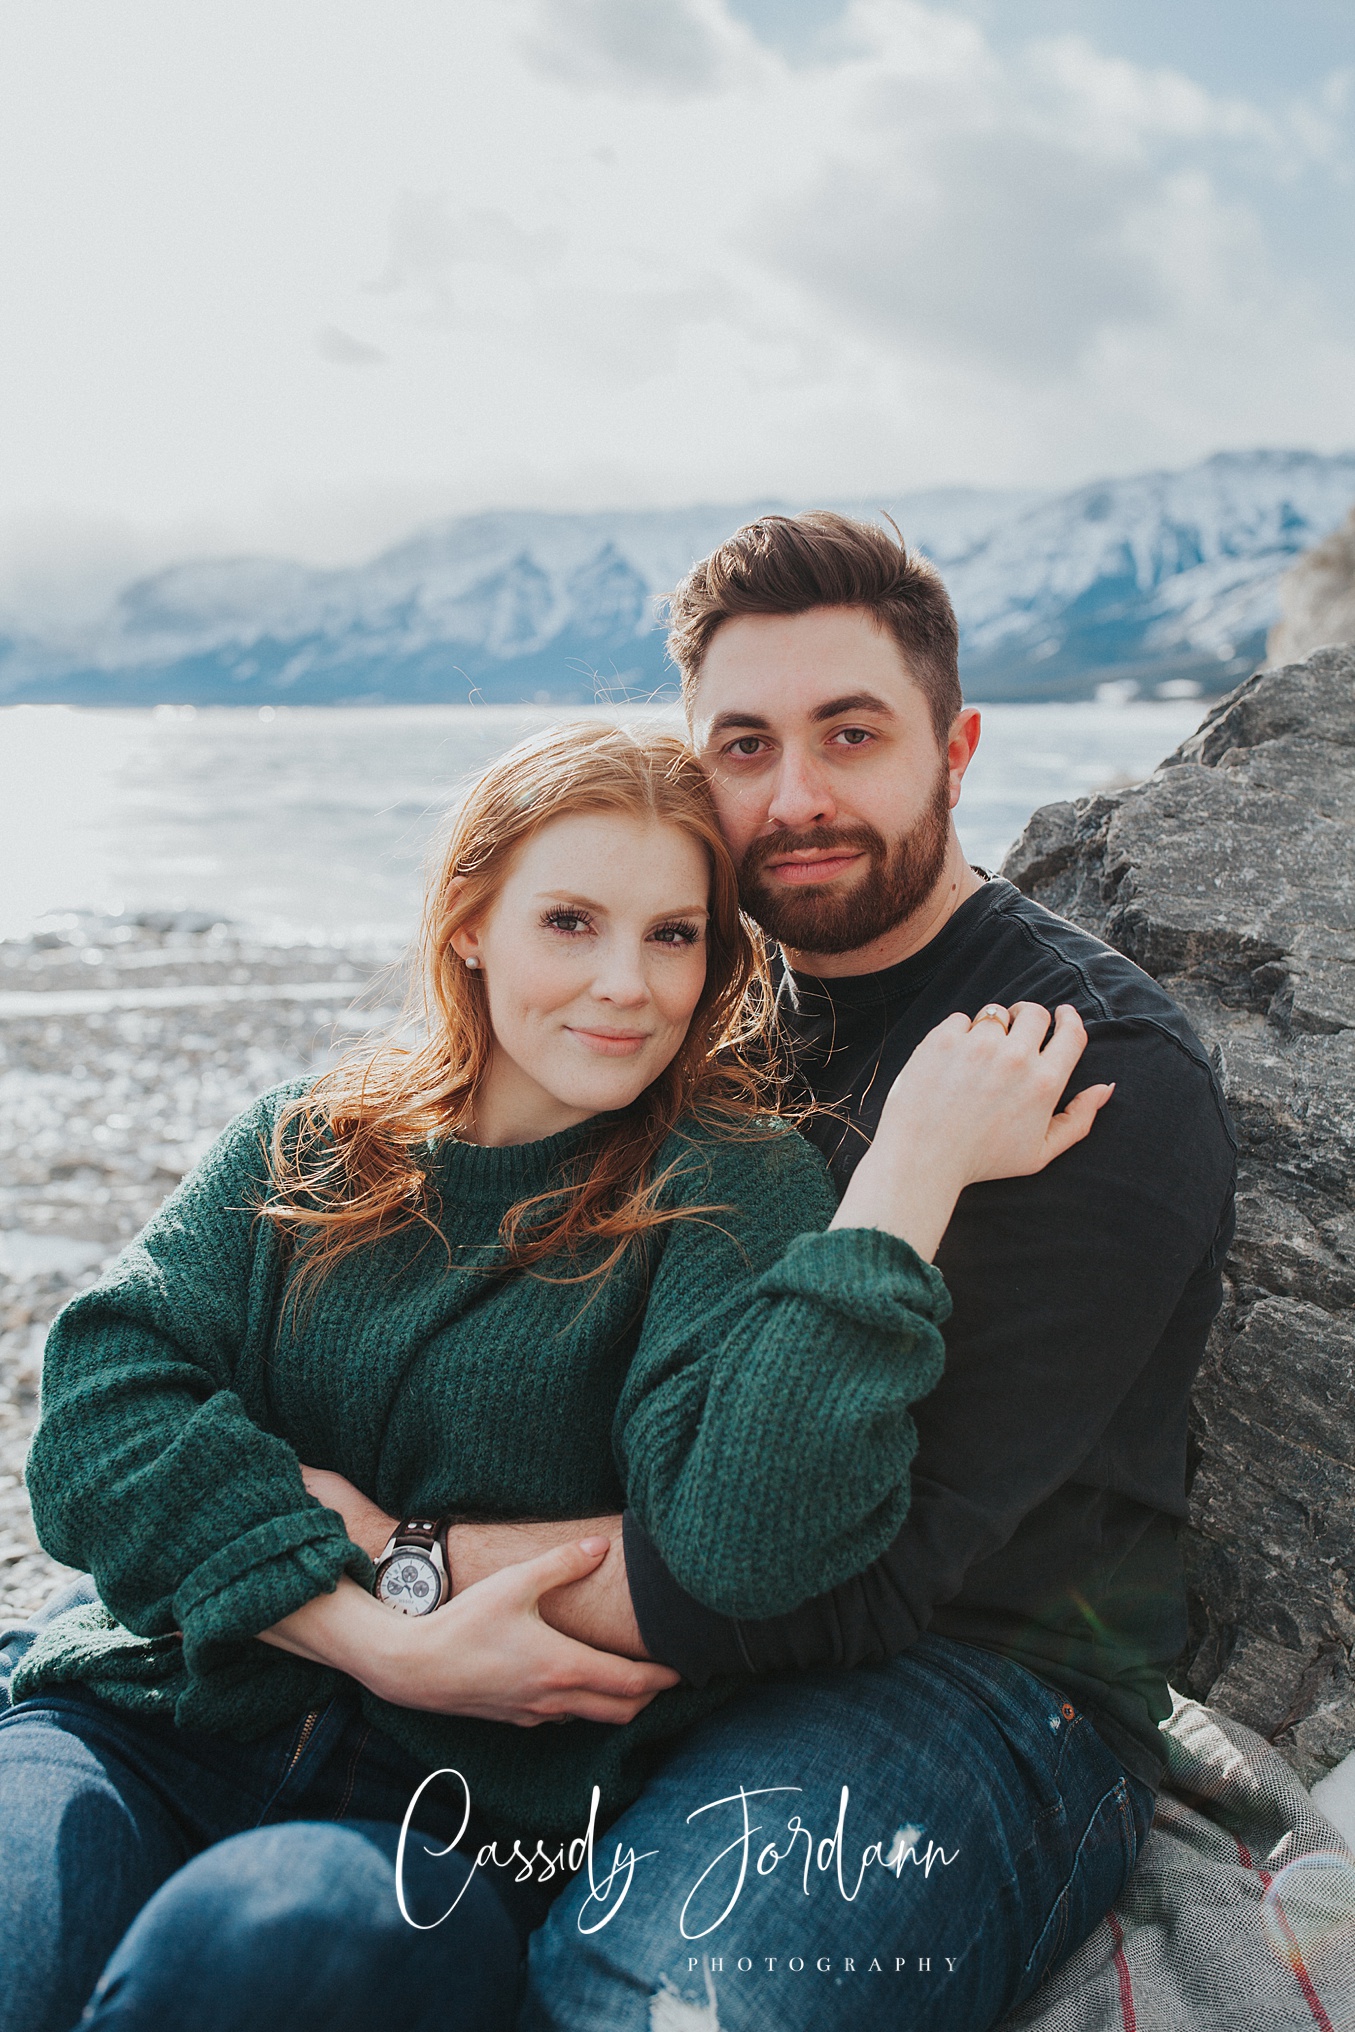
(747, 744)
(854, 737)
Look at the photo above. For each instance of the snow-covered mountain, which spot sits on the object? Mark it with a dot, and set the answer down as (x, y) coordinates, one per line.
(1163, 578)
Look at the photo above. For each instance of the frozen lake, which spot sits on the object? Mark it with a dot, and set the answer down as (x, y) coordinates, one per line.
(313, 823)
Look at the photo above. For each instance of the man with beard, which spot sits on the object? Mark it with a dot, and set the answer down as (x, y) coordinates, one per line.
(1002, 1745)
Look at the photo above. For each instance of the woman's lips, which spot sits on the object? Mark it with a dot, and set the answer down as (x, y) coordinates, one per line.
(819, 868)
(611, 1043)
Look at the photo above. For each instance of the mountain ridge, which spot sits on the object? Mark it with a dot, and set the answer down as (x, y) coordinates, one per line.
(1158, 579)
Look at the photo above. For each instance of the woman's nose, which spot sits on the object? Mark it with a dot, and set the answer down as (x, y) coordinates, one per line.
(622, 981)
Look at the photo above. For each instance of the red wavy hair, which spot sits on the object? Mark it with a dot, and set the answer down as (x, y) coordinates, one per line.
(345, 1159)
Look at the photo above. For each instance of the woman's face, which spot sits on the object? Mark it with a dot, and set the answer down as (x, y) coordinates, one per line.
(594, 957)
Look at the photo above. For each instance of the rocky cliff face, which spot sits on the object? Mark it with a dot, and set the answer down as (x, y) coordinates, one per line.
(1317, 598)
(1230, 877)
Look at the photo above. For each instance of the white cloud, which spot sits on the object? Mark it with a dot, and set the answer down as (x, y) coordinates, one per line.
(619, 250)
(1023, 217)
(341, 349)
(428, 240)
(999, 246)
(1107, 105)
(668, 48)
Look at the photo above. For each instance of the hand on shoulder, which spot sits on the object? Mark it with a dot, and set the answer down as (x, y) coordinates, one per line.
(976, 1100)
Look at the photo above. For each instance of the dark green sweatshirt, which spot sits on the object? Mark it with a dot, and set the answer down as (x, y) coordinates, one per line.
(743, 1383)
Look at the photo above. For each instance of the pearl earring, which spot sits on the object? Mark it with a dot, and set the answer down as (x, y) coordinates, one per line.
(472, 962)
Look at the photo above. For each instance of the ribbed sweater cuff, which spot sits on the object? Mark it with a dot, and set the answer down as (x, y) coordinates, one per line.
(865, 1273)
(259, 1578)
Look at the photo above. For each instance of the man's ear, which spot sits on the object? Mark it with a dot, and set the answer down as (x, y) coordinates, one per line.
(964, 739)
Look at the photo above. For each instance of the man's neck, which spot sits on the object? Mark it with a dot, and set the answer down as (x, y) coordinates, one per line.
(956, 883)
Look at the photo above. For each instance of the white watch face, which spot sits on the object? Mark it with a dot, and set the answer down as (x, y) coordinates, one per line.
(409, 1582)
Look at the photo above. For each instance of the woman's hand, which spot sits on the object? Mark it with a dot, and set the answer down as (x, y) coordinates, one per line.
(366, 1524)
(975, 1101)
(522, 1670)
(979, 1098)
(487, 1653)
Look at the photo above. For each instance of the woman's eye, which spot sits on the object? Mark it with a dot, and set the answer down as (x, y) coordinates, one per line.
(568, 921)
(677, 934)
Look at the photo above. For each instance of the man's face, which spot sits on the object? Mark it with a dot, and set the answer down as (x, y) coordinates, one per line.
(832, 789)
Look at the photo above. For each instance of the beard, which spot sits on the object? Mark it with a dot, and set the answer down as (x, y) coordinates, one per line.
(816, 918)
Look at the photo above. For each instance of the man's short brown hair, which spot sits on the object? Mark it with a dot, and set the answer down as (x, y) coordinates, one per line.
(790, 564)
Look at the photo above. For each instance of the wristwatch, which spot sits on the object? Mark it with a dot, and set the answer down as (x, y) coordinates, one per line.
(413, 1574)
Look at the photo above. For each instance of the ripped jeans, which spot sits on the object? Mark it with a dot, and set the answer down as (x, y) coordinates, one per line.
(915, 1844)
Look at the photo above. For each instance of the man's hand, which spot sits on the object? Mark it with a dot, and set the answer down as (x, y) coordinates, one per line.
(595, 1610)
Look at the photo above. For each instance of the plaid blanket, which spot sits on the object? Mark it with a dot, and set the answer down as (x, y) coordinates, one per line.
(1240, 1916)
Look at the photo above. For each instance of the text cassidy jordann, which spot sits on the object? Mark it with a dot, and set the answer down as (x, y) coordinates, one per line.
(725, 1873)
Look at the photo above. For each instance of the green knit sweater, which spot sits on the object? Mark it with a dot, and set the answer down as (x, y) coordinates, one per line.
(743, 1384)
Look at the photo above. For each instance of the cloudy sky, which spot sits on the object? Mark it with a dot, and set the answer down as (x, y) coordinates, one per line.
(301, 273)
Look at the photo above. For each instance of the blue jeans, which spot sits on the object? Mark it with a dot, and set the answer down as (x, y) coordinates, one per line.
(191, 1881)
(915, 1844)
(182, 1881)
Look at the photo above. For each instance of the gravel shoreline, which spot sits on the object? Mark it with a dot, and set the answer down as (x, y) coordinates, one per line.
(126, 1045)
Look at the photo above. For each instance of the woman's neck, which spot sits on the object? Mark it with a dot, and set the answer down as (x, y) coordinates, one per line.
(512, 1108)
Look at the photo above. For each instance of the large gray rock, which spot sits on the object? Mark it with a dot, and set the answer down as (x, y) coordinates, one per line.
(1230, 876)
(1317, 598)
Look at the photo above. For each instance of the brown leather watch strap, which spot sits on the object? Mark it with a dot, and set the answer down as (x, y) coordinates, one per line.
(421, 1531)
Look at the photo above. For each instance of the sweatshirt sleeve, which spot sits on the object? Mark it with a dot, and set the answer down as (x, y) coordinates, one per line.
(764, 1431)
(146, 1469)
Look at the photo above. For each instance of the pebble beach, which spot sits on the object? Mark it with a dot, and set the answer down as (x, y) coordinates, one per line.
(126, 1045)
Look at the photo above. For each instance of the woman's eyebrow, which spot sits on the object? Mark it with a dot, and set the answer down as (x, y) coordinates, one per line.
(577, 902)
(571, 896)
